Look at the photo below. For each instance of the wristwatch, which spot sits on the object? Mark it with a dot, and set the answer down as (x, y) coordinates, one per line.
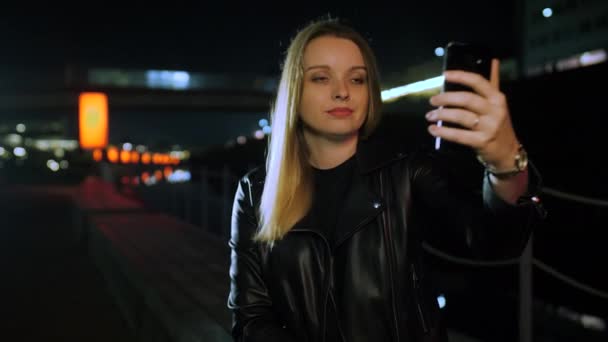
(520, 164)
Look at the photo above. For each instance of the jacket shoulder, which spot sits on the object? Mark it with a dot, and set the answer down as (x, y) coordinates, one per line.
(252, 184)
(244, 214)
(255, 175)
(415, 160)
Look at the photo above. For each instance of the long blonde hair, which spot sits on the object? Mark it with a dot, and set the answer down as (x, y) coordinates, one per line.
(287, 194)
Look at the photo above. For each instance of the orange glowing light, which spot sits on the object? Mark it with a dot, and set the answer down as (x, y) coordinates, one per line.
(93, 120)
(97, 155)
(157, 158)
(125, 156)
(146, 158)
(158, 174)
(112, 154)
(134, 157)
(145, 177)
(167, 171)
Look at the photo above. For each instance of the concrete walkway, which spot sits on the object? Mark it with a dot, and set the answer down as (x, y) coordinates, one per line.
(50, 289)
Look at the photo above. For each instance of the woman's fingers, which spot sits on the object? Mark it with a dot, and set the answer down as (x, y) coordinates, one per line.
(475, 81)
(495, 74)
(458, 116)
(462, 99)
(486, 89)
(473, 139)
(482, 114)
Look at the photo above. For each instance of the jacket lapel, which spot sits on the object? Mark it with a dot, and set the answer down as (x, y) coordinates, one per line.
(361, 206)
(307, 223)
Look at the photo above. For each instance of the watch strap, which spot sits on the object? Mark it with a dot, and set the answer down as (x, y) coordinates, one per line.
(504, 173)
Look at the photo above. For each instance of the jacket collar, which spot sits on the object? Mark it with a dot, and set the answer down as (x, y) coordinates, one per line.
(362, 204)
(376, 151)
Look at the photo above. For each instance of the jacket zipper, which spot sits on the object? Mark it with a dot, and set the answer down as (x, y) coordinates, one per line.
(391, 255)
(327, 282)
(342, 338)
(417, 299)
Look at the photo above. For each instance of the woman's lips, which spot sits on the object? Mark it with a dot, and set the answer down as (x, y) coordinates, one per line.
(340, 112)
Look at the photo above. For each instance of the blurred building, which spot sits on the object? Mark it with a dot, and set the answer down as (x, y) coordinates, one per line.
(559, 35)
(148, 106)
(552, 36)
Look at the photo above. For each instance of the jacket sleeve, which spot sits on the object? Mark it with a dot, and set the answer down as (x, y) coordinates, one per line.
(478, 223)
(253, 316)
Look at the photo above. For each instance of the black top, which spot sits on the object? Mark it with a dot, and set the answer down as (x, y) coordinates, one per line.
(330, 190)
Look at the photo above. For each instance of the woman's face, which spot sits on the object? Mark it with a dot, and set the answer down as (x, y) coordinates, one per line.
(335, 96)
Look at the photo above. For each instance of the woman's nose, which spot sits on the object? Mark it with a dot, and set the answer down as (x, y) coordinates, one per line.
(341, 91)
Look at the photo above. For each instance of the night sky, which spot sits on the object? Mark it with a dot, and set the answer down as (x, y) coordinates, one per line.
(235, 37)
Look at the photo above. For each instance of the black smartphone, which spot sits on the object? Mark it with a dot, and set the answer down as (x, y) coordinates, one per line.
(468, 57)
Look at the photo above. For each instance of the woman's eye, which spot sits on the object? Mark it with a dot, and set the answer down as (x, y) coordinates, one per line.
(320, 78)
(358, 80)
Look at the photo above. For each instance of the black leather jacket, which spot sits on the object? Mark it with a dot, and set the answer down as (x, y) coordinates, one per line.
(285, 293)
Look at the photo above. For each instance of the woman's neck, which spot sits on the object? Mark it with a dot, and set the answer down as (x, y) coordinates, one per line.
(329, 152)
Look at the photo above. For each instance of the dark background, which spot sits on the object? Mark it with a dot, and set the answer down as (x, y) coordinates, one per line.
(238, 37)
(560, 117)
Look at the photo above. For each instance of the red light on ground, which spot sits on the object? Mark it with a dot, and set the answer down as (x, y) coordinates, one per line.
(125, 180)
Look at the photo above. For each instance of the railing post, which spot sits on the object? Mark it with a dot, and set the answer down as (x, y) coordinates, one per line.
(188, 202)
(204, 199)
(174, 202)
(525, 294)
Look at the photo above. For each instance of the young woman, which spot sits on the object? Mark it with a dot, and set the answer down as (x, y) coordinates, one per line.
(326, 239)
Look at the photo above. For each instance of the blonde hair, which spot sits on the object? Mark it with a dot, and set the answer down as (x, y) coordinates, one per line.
(287, 194)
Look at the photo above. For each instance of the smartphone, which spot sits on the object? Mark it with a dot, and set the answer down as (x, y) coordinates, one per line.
(468, 57)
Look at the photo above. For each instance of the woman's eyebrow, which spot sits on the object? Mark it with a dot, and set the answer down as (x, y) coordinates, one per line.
(356, 67)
